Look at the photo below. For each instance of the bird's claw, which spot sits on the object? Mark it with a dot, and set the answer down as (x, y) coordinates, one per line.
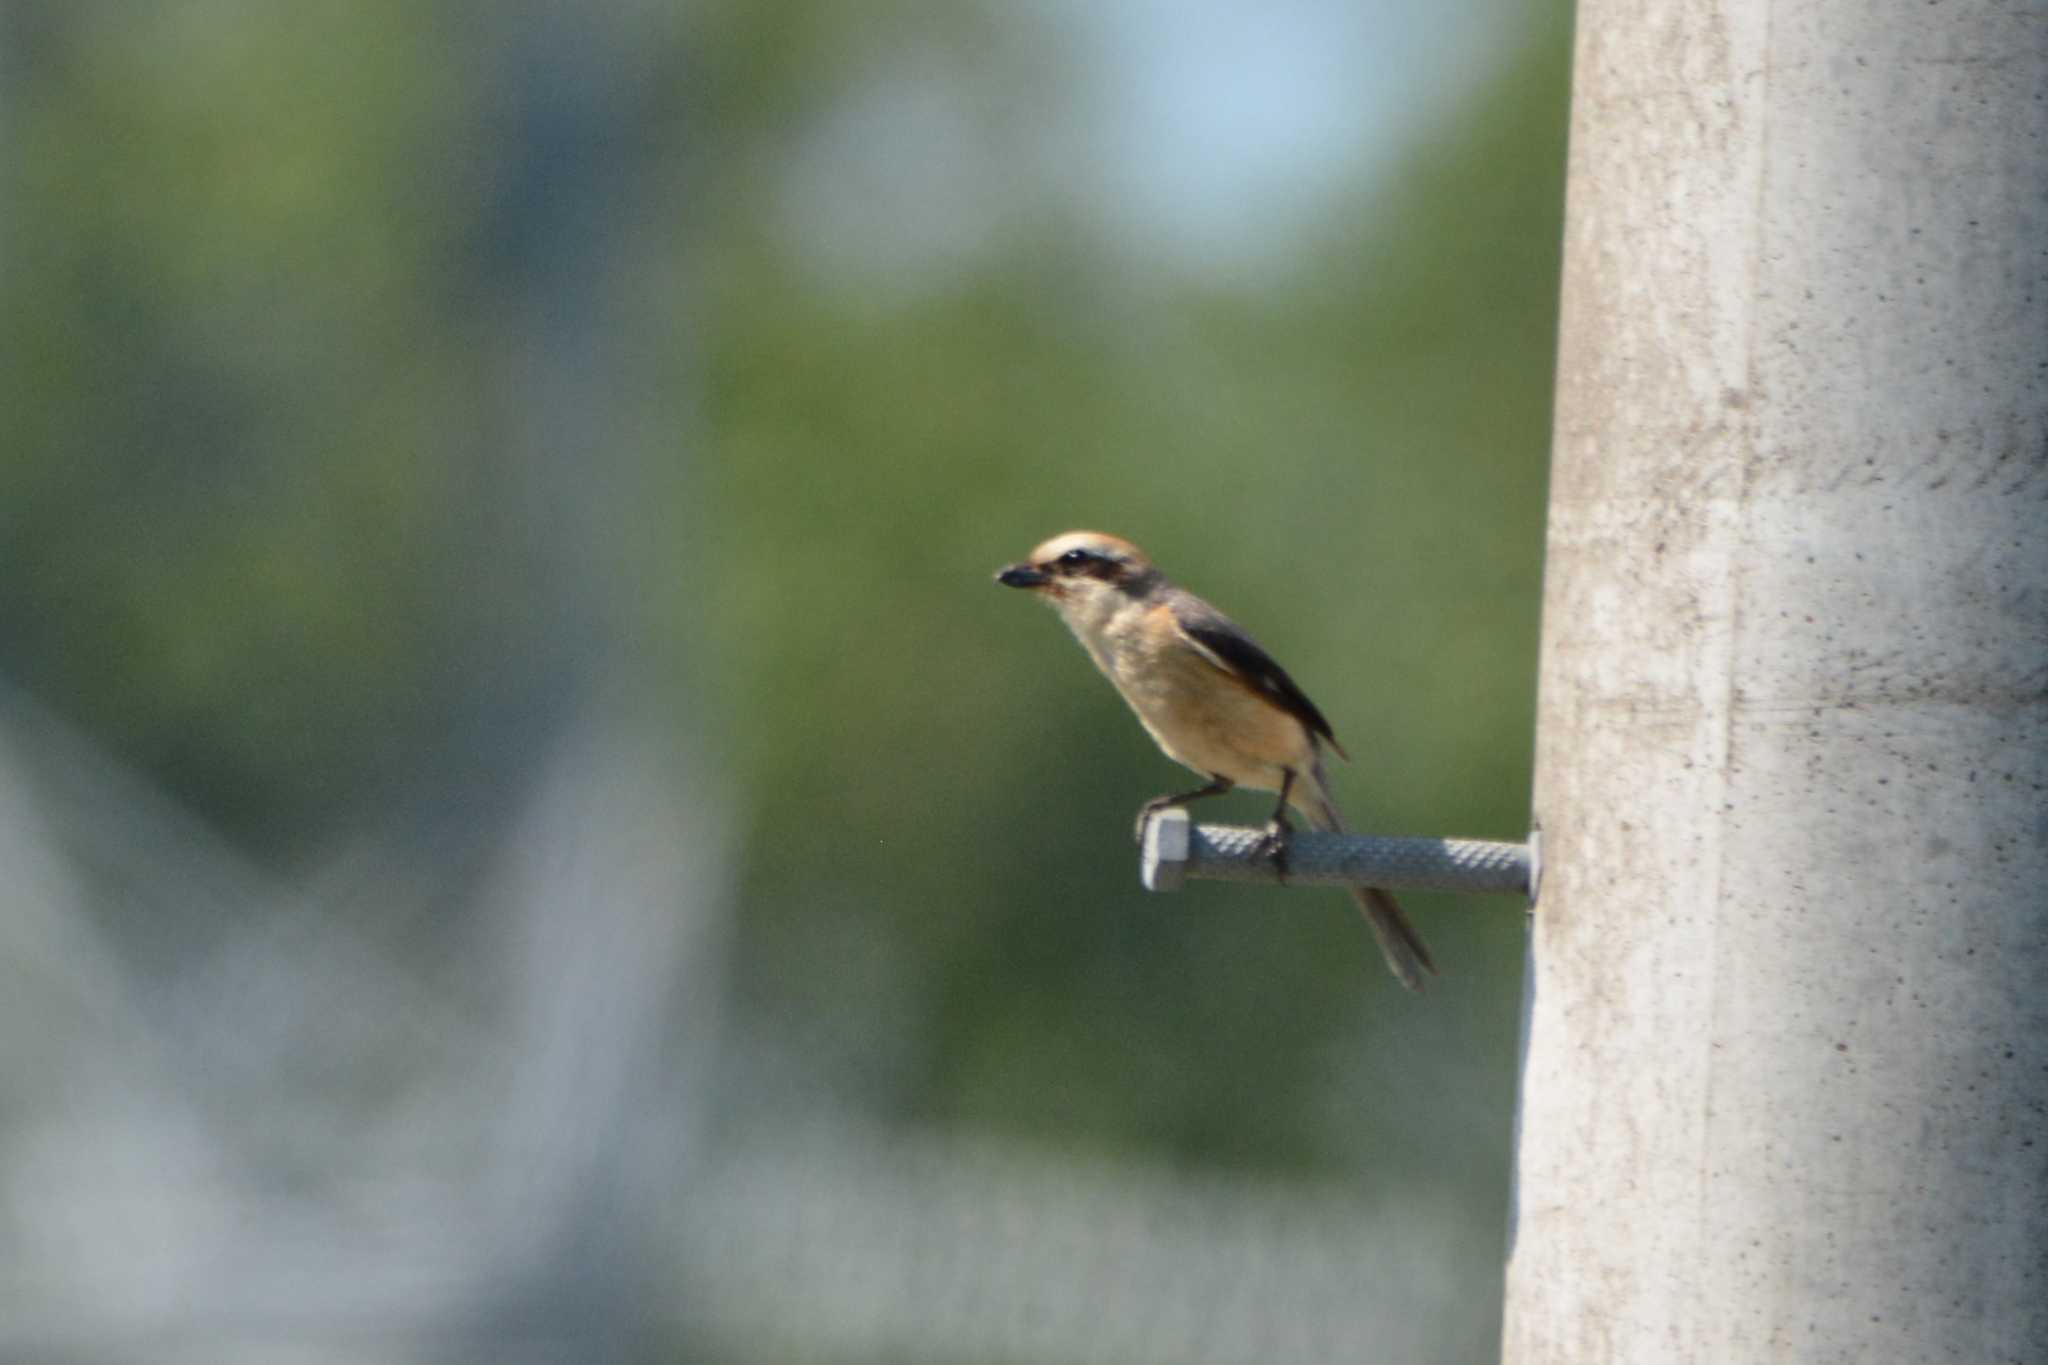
(1145, 814)
(1274, 844)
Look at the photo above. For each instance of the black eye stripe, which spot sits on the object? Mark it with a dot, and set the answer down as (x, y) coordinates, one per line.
(1093, 563)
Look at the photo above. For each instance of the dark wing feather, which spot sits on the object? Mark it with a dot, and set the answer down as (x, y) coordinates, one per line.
(1226, 645)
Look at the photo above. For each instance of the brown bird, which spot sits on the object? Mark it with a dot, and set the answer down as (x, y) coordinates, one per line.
(1209, 696)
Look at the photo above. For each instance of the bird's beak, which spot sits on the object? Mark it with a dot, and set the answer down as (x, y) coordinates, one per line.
(1022, 576)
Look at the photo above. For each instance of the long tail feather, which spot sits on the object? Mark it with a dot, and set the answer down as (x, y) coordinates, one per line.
(1406, 954)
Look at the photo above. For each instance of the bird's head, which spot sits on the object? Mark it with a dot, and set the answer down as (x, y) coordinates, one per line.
(1083, 573)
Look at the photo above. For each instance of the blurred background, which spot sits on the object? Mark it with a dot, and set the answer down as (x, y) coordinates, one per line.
(526, 831)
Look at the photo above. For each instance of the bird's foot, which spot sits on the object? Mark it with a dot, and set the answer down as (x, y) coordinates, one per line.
(1217, 786)
(1274, 845)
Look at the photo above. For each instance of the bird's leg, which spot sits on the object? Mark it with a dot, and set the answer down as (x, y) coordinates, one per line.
(1279, 833)
(1216, 787)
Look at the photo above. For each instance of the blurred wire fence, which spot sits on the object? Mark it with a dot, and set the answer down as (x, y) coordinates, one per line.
(252, 1121)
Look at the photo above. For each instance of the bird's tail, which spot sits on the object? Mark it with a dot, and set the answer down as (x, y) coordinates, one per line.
(1406, 954)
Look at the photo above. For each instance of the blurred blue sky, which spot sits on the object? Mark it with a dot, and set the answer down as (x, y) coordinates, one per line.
(1204, 138)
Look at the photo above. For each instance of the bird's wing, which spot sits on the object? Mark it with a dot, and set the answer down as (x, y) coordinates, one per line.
(1223, 643)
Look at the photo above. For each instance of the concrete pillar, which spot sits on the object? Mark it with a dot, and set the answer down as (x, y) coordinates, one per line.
(1786, 1091)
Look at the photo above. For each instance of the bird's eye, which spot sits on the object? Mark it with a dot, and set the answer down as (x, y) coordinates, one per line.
(1074, 559)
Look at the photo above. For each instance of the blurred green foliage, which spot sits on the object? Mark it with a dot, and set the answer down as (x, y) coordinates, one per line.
(256, 531)
(1351, 463)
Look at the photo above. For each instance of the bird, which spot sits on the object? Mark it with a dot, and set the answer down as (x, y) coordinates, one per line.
(1210, 697)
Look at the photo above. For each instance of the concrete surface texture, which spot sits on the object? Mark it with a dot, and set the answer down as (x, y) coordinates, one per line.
(1786, 1092)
